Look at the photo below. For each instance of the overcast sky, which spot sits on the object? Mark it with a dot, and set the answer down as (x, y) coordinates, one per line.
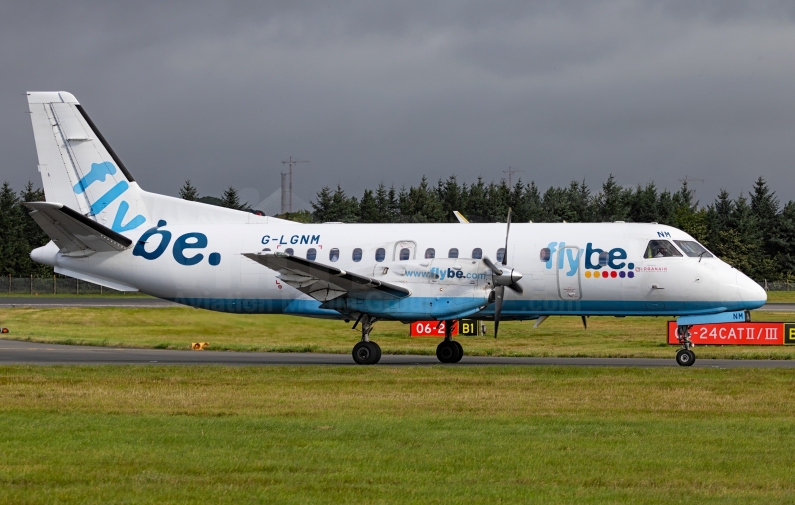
(221, 92)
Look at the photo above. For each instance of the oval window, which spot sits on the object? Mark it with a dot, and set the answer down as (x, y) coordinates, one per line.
(603, 258)
(289, 251)
(545, 254)
(453, 253)
(380, 254)
(311, 254)
(430, 253)
(405, 254)
(334, 255)
(477, 253)
(500, 254)
(357, 254)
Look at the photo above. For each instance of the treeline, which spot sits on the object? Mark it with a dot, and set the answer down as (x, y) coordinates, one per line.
(754, 233)
(19, 234)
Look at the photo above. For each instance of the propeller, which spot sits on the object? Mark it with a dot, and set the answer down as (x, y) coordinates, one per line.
(503, 277)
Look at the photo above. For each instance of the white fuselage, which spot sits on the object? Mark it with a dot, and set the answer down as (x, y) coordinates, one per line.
(564, 283)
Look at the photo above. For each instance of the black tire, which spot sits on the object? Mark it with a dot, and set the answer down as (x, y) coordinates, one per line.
(449, 352)
(460, 350)
(363, 353)
(685, 357)
(377, 352)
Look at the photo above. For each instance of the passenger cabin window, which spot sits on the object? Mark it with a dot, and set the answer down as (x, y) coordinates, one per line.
(334, 255)
(477, 253)
(405, 254)
(430, 253)
(289, 251)
(603, 258)
(380, 254)
(453, 253)
(357, 254)
(500, 253)
(661, 249)
(311, 254)
(693, 249)
(545, 254)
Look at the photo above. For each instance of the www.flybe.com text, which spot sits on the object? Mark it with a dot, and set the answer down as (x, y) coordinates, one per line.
(445, 273)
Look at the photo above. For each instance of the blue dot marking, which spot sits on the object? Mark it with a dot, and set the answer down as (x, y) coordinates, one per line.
(214, 259)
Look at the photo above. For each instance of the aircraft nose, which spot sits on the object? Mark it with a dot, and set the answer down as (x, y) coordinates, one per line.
(750, 292)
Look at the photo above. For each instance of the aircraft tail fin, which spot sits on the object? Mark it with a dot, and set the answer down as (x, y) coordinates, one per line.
(78, 167)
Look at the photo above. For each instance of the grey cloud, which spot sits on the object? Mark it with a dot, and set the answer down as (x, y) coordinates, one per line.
(221, 92)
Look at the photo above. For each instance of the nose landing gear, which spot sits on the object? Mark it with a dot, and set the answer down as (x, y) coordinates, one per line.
(449, 350)
(684, 356)
(366, 352)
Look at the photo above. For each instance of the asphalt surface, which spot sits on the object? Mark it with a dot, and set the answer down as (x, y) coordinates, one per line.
(121, 301)
(16, 352)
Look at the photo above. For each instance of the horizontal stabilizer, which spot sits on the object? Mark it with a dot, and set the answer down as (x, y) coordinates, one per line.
(73, 233)
(323, 282)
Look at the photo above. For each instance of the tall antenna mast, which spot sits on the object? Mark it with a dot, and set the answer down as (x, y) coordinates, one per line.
(687, 180)
(290, 161)
(510, 173)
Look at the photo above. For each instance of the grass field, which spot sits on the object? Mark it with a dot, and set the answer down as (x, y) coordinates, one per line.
(436, 434)
(176, 328)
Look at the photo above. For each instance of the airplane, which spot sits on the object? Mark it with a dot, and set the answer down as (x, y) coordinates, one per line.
(105, 229)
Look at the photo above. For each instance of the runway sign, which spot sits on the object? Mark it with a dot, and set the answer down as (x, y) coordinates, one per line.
(748, 333)
(430, 329)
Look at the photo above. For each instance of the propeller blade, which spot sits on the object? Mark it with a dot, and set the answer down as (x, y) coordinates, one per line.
(492, 266)
(516, 288)
(507, 231)
(499, 294)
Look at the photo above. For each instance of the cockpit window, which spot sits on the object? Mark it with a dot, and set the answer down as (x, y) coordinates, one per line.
(693, 249)
(660, 249)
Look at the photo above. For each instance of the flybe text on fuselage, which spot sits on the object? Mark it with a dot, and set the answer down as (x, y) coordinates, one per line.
(569, 259)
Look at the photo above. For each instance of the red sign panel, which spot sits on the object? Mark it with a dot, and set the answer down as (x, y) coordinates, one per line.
(732, 333)
(431, 329)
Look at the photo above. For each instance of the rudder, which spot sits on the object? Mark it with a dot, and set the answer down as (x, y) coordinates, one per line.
(78, 167)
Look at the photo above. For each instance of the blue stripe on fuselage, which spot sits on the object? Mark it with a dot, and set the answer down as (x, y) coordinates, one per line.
(515, 309)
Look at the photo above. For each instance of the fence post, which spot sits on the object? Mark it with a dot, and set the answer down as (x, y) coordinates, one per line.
(766, 285)
(31, 283)
(100, 289)
(9, 284)
(77, 286)
(54, 285)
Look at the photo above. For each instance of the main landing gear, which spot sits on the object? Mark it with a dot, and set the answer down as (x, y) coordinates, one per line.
(449, 351)
(366, 352)
(684, 356)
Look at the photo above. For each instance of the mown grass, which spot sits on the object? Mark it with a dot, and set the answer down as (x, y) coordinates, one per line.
(177, 328)
(395, 434)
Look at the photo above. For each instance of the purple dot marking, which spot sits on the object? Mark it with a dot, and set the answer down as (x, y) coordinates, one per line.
(622, 274)
(630, 274)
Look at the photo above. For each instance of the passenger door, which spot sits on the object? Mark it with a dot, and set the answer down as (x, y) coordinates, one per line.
(568, 267)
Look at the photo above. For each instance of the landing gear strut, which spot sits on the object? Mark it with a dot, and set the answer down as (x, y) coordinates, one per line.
(366, 352)
(449, 351)
(684, 356)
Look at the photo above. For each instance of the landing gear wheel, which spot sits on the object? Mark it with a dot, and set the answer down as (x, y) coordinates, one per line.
(685, 357)
(366, 353)
(460, 350)
(449, 352)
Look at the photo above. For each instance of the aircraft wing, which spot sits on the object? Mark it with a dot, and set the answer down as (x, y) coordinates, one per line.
(74, 233)
(323, 282)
